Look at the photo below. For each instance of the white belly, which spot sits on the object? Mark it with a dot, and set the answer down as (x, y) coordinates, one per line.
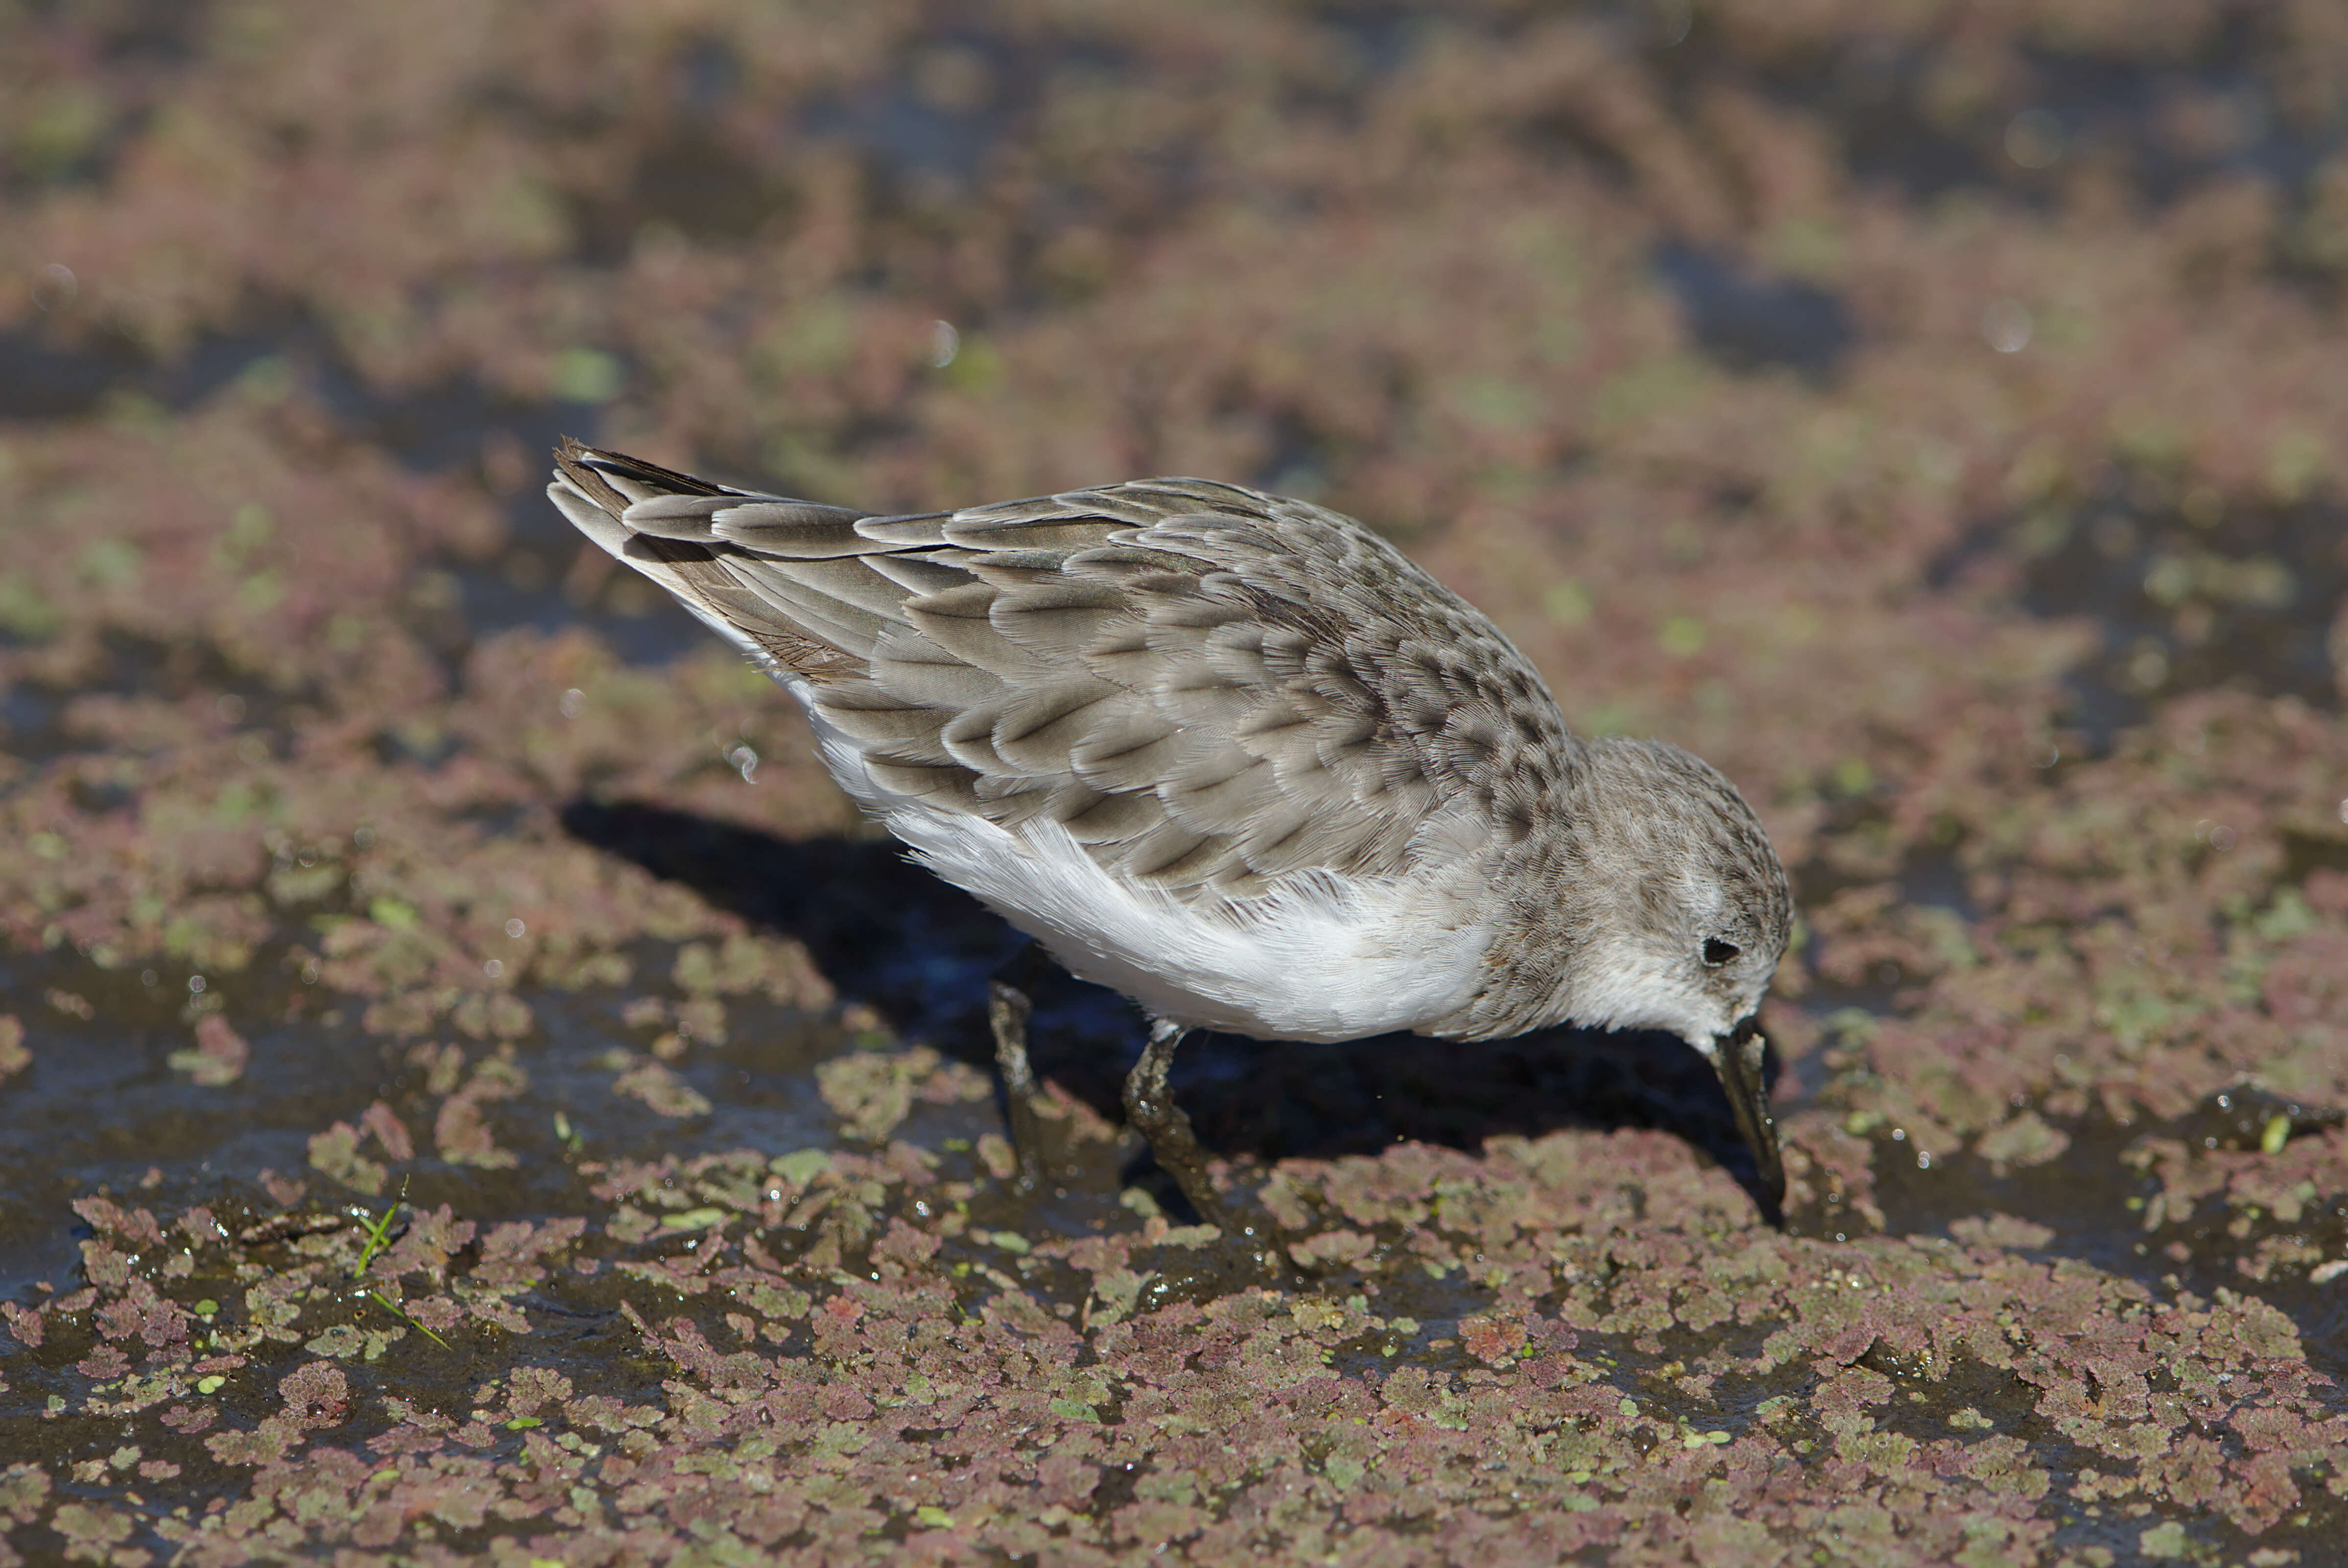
(1325, 958)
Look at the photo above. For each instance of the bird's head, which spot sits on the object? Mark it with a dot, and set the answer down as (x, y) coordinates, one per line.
(1687, 913)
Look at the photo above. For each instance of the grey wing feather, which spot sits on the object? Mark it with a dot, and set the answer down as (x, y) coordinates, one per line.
(1207, 686)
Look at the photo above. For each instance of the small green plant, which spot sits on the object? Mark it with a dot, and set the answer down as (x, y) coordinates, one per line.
(378, 1237)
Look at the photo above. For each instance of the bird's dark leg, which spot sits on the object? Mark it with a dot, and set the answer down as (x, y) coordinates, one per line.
(1149, 1107)
(1008, 1007)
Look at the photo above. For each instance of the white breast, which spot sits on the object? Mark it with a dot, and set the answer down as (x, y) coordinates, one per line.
(1324, 958)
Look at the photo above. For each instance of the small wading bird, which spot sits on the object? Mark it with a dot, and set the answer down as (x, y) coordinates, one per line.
(1235, 757)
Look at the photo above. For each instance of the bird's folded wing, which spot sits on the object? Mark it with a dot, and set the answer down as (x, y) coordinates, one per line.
(1206, 686)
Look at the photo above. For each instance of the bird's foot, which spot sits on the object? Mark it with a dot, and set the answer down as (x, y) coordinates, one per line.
(1248, 1234)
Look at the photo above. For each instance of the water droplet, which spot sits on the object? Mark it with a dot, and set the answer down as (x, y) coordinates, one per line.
(2034, 138)
(55, 286)
(2006, 323)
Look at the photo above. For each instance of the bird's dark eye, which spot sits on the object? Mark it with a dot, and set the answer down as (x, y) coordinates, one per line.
(1718, 952)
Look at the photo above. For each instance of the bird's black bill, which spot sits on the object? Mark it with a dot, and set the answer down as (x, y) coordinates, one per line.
(1736, 1055)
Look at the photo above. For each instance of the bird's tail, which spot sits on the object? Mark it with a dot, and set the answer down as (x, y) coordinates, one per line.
(664, 524)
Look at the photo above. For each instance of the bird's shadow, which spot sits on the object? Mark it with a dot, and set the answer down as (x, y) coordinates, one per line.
(887, 932)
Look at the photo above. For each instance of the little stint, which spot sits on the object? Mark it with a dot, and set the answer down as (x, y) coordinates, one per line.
(1234, 756)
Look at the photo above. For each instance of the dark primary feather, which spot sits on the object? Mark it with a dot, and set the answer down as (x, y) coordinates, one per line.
(1207, 686)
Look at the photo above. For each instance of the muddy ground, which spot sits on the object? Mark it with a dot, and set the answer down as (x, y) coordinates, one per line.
(469, 1088)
